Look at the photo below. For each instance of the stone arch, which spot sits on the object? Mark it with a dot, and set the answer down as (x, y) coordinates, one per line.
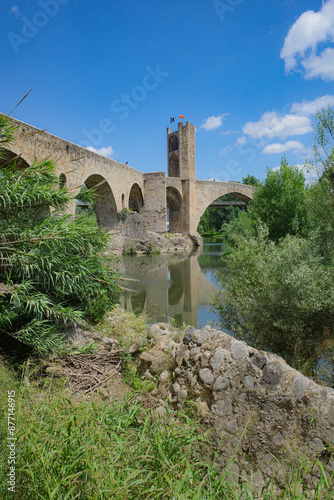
(62, 180)
(174, 167)
(10, 158)
(215, 195)
(105, 204)
(173, 143)
(174, 210)
(136, 200)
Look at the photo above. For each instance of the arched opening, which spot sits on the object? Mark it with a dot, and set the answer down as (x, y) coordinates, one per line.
(136, 201)
(9, 158)
(174, 168)
(104, 204)
(174, 210)
(221, 211)
(123, 200)
(173, 143)
(62, 180)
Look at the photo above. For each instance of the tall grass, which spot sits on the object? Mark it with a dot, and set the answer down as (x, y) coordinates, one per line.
(85, 449)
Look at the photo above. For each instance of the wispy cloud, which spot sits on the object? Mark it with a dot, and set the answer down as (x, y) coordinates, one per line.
(108, 152)
(229, 132)
(272, 125)
(213, 122)
(241, 140)
(311, 107)
(304, 44)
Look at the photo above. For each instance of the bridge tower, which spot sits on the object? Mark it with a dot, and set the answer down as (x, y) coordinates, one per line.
(181, 152)
(181, 164)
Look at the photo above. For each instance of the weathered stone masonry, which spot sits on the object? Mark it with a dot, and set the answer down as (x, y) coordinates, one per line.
(172, 203)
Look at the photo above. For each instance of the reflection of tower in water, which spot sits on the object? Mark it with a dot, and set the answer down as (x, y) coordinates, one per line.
(169, 286)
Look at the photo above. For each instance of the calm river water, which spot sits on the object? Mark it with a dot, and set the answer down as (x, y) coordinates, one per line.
(178, 286)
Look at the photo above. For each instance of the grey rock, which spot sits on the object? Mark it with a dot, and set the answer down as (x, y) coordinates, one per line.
(223, 407)
(206, 376)
(217, 359)
(317, 444)
(176, 388)
(272, 374)
(203, 337)
(87, 334)
(258, 360)
(238, 350)
(301, 384)
(146, 358)
(232, 427)
(258, 479)
(249, 381)
(179, 356)
(278, 439)
(221, 383)
(161, 364)
(188, 334)
(194, 351)
(183, 394)
(233, 474)
(331, 413)
(164, 377)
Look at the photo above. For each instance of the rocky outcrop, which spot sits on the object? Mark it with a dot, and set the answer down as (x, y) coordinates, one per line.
(133, 237)
(256, 405)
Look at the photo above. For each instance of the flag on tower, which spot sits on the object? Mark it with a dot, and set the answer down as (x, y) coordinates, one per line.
(181, 116)
(172, 119)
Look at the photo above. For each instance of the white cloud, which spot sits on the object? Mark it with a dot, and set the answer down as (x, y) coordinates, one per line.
(304, 38)
(322, 65)
(275, 148)
(213, 122)
(311, 107)
(241, 140)
(272, 125)
(229, 132)
(108, 152)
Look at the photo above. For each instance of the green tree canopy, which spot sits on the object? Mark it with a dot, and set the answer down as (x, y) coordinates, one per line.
(251, 180)
(280, 201)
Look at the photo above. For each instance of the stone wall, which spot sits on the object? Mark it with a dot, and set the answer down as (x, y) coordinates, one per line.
(256, 406)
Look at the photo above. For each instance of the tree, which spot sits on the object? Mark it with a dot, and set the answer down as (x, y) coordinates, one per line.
(51, 274)
(280, 201)
(279, 297)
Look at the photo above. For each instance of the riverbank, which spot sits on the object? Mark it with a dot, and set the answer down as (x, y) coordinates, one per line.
(184, 413)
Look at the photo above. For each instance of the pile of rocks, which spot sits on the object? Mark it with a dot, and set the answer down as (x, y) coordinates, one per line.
(256, 405)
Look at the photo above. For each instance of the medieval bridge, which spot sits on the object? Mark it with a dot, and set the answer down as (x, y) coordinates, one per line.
(174, 202)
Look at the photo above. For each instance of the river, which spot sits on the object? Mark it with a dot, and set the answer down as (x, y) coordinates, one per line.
(176, 286)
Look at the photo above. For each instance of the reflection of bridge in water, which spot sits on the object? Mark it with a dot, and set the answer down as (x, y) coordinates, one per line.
(169, 286)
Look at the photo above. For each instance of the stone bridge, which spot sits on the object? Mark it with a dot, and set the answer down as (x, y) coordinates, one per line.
(172, 203)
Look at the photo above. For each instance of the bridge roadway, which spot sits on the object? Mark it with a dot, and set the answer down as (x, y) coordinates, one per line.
(118, 186)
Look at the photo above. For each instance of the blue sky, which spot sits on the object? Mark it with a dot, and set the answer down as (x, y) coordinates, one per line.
(108, 75)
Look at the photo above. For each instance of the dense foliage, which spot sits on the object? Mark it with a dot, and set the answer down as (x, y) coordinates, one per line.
(50, 270)
(279, 293)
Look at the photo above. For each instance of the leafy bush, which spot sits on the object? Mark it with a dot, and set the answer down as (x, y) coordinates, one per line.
(50, 270)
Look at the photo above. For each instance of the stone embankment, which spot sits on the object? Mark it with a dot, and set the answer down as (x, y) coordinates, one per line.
(264, 419)
(256, 405)
(133, 236)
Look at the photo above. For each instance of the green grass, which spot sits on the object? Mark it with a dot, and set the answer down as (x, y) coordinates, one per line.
(92, 449)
